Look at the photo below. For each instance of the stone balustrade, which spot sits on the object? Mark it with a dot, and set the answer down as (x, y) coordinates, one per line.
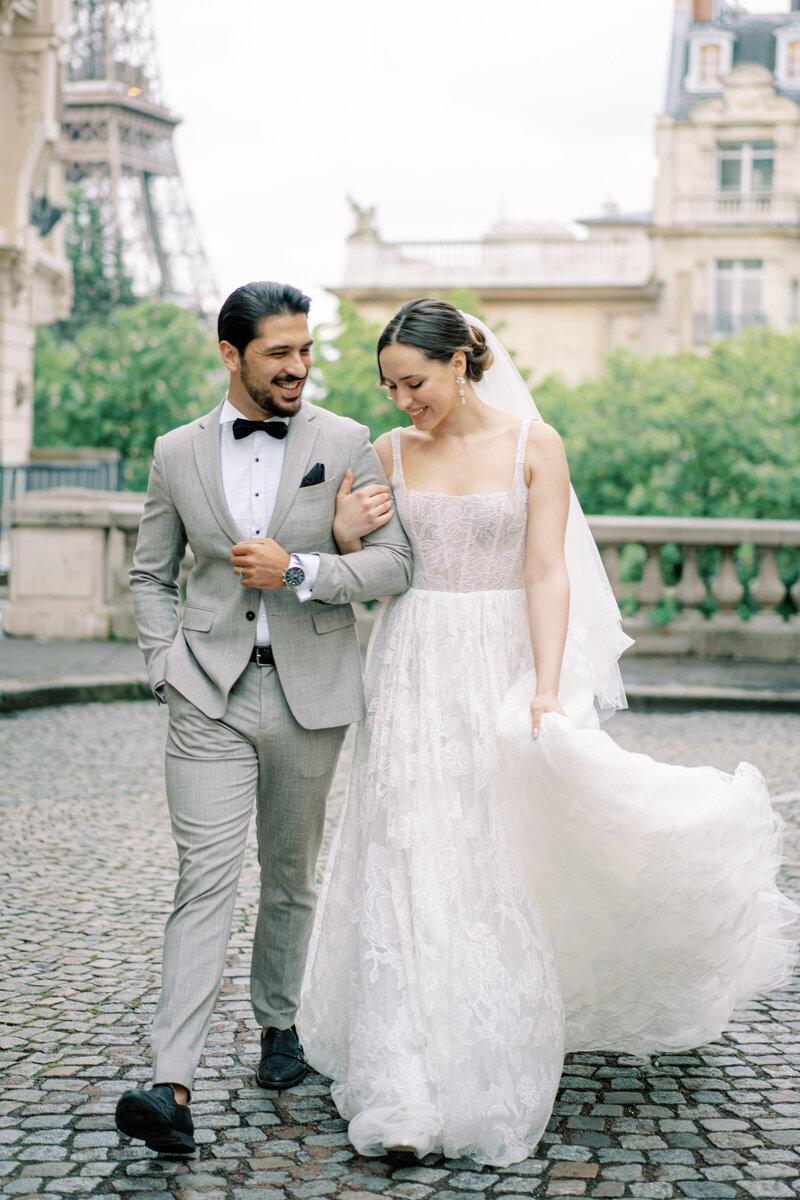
(493, 262)
(71, 549)
(701, 612)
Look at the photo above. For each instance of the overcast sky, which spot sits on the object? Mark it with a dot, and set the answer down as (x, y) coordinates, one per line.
(444, 114)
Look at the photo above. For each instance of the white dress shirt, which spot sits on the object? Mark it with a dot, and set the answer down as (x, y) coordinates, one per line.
(251, 472)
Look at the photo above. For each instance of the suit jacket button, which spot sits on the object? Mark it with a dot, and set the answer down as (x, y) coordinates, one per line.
(251, 616)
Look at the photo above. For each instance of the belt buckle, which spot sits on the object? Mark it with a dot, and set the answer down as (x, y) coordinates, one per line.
(264, 656)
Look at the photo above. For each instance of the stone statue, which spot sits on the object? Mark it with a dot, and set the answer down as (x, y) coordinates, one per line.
(365, 220)
(9, 9)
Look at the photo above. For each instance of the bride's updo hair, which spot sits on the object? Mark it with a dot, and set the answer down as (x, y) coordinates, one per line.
(438, 330)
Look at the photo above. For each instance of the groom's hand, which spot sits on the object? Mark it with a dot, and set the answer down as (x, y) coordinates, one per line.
(259, 562)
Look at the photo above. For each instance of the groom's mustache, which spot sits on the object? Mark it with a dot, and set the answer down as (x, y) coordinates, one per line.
(290, 378)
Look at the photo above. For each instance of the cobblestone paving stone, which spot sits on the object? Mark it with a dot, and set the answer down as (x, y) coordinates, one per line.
(87, 884)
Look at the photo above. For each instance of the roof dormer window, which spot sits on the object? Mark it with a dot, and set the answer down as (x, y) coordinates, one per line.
(710, 58)
(710, 64)
(787, 56)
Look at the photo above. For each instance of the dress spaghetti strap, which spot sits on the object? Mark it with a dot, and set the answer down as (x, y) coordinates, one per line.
(397, 459)
(522, 446)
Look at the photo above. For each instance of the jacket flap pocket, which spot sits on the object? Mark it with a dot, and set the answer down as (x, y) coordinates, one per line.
(200, 619)
(338, 616)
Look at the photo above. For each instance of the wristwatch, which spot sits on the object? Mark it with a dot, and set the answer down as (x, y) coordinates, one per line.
(294, 576)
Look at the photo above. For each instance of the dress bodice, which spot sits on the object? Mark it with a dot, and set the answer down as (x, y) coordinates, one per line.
(466, 543)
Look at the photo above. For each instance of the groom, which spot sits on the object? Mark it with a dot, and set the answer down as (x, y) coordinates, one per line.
(262, 676)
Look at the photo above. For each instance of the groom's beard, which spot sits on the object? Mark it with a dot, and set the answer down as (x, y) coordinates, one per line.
(271, 403)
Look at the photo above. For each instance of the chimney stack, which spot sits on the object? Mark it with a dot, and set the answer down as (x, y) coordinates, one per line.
(703, 10)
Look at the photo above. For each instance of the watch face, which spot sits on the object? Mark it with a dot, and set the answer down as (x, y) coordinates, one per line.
(293, 576)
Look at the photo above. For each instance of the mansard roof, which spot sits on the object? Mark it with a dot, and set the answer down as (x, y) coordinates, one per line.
(753, 42)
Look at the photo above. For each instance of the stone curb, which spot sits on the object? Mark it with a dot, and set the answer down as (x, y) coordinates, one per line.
(670, 698)
(17, 695)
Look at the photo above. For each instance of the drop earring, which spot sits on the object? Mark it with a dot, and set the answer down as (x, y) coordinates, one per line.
(460, 384)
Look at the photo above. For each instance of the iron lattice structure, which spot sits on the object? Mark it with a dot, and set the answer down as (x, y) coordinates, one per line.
(116, 140)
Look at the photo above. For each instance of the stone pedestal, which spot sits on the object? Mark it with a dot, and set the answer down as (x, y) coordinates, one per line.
(71, 549)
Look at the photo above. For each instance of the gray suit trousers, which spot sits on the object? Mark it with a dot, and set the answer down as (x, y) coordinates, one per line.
(215, 770)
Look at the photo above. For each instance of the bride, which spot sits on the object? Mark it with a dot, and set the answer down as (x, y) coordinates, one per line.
(505, 882)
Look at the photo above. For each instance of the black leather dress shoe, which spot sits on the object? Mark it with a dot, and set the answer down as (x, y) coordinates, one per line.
(282, 1064)
(156, 1117)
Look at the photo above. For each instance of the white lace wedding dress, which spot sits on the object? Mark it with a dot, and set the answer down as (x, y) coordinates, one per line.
(491, 900)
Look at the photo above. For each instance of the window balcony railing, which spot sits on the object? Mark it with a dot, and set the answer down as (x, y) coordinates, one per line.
(720, 208)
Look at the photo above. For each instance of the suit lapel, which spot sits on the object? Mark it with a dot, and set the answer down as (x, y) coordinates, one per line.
(209, 468)
(299, 443)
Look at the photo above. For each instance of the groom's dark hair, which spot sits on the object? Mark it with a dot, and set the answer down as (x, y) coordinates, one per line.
(243, 311)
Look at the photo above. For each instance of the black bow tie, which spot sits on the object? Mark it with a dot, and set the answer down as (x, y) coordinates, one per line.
(242, 428)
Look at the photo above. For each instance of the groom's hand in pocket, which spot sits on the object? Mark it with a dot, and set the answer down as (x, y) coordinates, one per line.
(260, 563)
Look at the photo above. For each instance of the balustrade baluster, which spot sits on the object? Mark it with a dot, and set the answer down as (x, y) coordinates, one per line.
(611, 563)
(691, 591)
(650, 588)
(726, 587)
(767, 589)
(794, 592)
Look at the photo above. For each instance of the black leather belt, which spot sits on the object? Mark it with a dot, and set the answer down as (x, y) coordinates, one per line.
(262, 656)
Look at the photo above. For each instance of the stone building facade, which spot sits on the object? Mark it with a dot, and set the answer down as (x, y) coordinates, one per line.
(34, 271)
(720, 249)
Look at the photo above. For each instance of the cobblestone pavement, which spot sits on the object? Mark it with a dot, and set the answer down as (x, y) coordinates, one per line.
(87, 884)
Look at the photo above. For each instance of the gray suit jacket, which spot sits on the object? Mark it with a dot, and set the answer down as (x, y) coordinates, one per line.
(314, 643)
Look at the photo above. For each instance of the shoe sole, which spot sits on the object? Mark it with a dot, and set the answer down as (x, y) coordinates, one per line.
(278, 1086)
(174, 1143)
(403, 1154)
(138, 1119)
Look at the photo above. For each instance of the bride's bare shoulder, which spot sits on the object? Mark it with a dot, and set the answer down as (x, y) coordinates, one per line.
(545, 457)
(543, 439)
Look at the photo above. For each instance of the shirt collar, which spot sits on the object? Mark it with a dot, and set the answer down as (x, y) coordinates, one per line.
(230, 413)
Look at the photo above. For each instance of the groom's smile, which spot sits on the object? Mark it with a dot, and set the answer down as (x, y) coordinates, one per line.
(267, 379)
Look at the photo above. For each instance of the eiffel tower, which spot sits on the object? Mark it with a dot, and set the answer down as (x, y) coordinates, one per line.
(116, 140)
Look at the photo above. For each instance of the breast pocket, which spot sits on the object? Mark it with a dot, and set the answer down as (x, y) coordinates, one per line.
(311, 516)
(316, 493)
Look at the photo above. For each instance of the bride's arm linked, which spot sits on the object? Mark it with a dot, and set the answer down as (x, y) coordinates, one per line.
(546, 579)
(358, 513)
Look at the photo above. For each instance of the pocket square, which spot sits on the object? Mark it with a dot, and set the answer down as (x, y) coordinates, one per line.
(315, 475)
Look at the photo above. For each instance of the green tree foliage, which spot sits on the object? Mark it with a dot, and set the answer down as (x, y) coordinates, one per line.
(120, 382)
(118, 372)
(100, 281)
(346, 370)
(714, 436)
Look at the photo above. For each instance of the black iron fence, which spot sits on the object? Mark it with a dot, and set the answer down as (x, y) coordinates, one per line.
(104, 475)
